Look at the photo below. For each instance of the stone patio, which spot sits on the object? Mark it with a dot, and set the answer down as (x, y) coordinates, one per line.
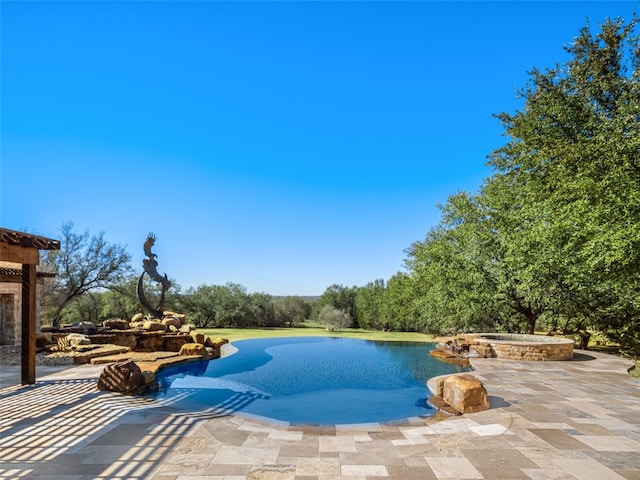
(577, 419)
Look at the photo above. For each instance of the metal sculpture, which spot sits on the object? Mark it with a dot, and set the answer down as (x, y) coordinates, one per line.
(149, 265)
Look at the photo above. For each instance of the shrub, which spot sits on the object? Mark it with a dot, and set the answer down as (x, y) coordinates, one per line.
(333, 318)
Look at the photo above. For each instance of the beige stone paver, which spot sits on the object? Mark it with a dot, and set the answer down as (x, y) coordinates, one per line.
(453, 468)
(572, 420)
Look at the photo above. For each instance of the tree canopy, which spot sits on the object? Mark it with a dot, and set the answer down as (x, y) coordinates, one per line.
(84, 264)
(553, 234)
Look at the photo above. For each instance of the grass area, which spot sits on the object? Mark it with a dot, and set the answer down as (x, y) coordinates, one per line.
(635, 372)
(234, 334)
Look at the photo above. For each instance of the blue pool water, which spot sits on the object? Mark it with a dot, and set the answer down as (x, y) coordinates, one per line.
(310, 380)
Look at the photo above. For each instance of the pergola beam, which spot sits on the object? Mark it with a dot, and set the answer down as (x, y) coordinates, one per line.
(28, 352)
(24, 249)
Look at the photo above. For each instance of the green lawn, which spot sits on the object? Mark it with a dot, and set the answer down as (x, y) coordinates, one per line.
(233, 334)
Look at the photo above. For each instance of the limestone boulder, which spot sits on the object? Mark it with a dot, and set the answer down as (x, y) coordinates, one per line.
(116, 324)
(211, 353)
(482, 351)
(174, 343)
(123, 377)
(154, 326)
(192, 349)
(43, 339)
(198, 337)
(214, 346)
(171, 322)
(188, 328)
(72, 341)
(465, 393)
(149, 342)
(216, 342)
(181, 317)
(86, 327)
(121, 338)
(138, 317)
(149, 379)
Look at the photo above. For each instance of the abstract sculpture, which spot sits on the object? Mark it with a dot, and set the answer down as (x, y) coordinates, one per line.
(149, 265)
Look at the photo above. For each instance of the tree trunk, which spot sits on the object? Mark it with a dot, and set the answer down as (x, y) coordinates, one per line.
(55, 321)
(531, 317)
(530, 327)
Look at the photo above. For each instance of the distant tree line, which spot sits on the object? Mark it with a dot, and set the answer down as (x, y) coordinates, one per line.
(551, 241)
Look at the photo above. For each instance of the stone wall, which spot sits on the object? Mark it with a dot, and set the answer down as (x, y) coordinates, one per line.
(509, 346)
(9, 314)
(11, 298)
(524, 347)
(560, 351)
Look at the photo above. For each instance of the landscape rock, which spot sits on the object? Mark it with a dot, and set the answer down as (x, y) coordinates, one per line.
(482, 351)
(123, 377)
(174, 343)
(43, 339)
(86, 327)
(192, 349)
(116, 324)
(86, 353)
(181, 317)
(465, 393)
(214, 346)
(198, 337)
(121, 338)
(438, 383)
(72, 340)
(138, 317)
(171, 322)
(216, 342)
(152, 326)
(149, 377)
(150, 342)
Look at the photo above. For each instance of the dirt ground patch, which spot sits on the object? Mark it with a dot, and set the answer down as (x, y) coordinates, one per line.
(10, 356)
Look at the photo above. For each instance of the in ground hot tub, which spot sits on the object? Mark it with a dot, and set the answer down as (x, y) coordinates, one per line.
(521, 347)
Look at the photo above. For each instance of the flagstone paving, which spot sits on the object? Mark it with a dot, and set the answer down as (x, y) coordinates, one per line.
(568, 420)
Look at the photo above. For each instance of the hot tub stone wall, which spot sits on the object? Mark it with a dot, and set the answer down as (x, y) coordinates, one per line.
(546, 352)
(515, 347)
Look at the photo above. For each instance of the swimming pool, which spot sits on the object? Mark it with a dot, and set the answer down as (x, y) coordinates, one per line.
(310, 380)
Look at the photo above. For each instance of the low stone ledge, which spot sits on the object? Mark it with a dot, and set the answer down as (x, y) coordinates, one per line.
(160, 364)
(86, 355)
(138, 357)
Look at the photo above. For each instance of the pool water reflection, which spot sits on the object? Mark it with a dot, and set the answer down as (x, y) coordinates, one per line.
(311, 380)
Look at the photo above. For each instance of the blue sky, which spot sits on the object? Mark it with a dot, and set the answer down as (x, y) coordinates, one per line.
(285, 146)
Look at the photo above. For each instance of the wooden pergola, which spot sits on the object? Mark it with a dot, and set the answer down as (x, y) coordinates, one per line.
(24, 248)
